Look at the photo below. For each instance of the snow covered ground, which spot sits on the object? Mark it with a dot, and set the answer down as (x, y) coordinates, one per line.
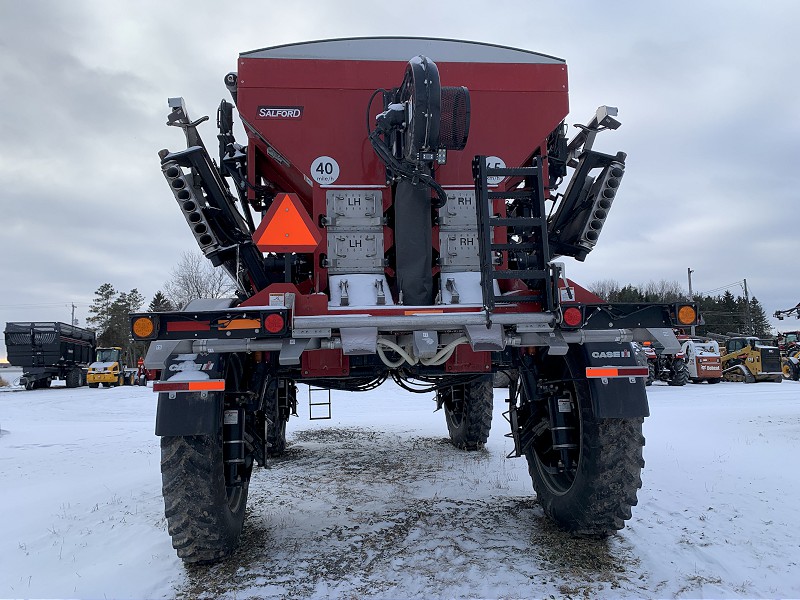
(376, 503)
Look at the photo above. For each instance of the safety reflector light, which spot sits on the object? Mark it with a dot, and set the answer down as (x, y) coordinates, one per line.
(287, 227)
(188, 326)
(687, 315)
(608, 372)
(239, 324)
(573, 317)
(143, 327)
(274, 323)
(205, 385)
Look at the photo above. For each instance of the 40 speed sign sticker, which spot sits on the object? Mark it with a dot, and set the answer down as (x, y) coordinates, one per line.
(324, 170)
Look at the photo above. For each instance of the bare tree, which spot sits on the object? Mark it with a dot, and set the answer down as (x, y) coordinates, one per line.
(605, 288)
(663, 291)
(195, 277)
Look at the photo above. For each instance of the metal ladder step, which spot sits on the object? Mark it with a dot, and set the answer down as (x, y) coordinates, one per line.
(323, 407)
(528, 258)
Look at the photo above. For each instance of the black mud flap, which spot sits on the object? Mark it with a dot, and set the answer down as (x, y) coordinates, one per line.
(615, 398)
(190, 413)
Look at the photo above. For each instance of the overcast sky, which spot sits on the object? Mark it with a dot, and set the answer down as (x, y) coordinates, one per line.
(707, 95)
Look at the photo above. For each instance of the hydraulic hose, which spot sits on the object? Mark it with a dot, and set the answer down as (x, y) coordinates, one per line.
(441, 357)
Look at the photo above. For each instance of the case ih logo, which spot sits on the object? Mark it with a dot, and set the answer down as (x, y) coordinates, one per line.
(280, 112)
(612, 354)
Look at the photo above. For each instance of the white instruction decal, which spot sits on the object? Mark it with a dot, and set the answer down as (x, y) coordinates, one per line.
(231, 417)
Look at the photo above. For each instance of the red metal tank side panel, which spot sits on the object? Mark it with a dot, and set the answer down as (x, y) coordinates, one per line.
(514, 108)
(356, 74)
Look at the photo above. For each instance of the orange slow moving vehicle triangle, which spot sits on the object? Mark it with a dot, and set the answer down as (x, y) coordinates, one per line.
(287, 227)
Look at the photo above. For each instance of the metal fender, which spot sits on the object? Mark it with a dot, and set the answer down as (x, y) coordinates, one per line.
(615, 398)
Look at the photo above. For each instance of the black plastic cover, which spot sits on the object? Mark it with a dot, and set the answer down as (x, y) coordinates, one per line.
(412, 240)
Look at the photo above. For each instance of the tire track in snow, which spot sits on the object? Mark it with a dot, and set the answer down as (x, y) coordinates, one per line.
(355, 513)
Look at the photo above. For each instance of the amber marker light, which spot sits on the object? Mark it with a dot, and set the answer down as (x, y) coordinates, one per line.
(143, 327)
(687, 315)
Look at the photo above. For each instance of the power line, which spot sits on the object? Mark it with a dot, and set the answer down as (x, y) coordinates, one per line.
(719, 289)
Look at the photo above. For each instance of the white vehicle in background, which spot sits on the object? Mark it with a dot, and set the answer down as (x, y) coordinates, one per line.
(703, 360)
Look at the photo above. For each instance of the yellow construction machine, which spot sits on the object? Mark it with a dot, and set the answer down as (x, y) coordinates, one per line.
(746, 358)
(109, 369)
(789, 345)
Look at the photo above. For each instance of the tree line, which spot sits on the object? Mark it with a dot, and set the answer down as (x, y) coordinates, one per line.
(193, 277)
(723, 314)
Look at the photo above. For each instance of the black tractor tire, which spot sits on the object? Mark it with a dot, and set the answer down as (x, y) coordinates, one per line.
(93, 385)
(790, 370)
(502, 379)
(30, 384)
(651, 373)
(594, 498)
(679, 374)
(205, 517)
(74, 378)
(714, 380)
(470, 421)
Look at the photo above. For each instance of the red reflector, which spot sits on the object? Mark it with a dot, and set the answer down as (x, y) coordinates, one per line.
(573, 317)
(274, 323)
(597, 372)
(205, 385)
(189, 326)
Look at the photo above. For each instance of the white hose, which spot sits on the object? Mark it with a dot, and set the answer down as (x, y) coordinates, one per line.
(404, 356)
(441, 357)
(444, 354)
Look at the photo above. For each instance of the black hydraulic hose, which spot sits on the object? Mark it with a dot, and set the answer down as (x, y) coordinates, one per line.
(399, 167)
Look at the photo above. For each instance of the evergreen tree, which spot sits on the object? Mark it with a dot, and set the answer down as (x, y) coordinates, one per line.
(760, 322)
(160, 303)
(99, 317)
(629, 293)
(109, 317)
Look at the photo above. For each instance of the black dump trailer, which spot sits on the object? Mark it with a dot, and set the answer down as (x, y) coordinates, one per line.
(49, 350)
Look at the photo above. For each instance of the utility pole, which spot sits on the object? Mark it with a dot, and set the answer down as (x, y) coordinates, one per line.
(750, 329)
(72, 320)
(691, 297)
